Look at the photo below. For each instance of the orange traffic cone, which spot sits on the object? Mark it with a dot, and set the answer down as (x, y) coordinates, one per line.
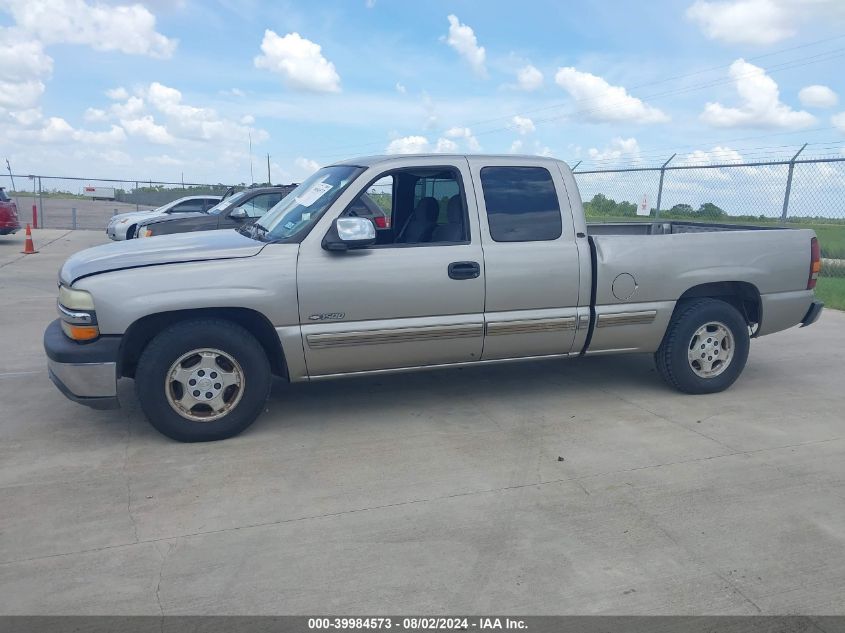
(29, 247)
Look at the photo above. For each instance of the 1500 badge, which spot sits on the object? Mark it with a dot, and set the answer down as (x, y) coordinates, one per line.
(328, 316)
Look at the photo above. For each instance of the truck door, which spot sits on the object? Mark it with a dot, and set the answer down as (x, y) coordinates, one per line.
(530, 258)
(416, 298)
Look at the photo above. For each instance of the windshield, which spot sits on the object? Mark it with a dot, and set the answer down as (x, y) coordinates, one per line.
(302, 207)
(225, 204)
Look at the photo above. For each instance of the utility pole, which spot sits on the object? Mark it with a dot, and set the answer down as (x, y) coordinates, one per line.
(12, 178)
(269, 182)
(251, 177)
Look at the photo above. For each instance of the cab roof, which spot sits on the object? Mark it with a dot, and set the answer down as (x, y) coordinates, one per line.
(369, 161)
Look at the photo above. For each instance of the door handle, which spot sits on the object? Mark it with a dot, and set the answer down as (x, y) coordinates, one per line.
(464, 270)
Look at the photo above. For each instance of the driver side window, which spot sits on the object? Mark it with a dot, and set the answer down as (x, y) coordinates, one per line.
(410, 207)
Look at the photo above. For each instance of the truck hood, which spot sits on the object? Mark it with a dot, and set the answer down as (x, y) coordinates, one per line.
(166, 249)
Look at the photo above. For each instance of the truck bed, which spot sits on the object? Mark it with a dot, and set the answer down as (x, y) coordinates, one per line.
(637, 283)
(669, 228)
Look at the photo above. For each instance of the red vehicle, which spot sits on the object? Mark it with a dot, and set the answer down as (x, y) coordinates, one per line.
(8, 215)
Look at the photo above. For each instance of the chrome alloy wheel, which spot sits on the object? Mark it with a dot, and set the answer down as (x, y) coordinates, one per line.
(204, 384)
(711, 349)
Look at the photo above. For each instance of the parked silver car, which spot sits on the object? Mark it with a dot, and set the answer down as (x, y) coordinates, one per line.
(122, 226)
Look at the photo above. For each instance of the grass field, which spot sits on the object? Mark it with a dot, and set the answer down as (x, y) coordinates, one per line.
(831, 290)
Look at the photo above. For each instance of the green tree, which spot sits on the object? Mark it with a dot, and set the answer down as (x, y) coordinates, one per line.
(710, 211)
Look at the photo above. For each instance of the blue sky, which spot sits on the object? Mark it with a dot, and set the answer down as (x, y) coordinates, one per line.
(165, 90)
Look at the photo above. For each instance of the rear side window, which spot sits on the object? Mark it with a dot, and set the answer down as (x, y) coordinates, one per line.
(522, 204)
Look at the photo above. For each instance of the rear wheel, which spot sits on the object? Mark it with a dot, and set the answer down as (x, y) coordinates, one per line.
(203, 380)
(705, 347)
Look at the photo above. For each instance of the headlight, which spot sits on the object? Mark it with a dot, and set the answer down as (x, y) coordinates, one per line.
(76, 310)
(124, 221)
(75, 299)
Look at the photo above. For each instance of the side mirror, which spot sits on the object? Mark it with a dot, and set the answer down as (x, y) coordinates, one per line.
(348, 233)
(238, 213)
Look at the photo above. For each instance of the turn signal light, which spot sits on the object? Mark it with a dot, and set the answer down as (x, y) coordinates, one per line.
(80, 332)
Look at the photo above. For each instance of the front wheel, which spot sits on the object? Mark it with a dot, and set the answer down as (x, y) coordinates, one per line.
(705, 347)
(203, 380)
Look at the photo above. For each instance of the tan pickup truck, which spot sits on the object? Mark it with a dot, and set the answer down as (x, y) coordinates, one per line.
(472, 259)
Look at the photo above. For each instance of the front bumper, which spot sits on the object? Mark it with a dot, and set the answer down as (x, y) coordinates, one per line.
(84, 372)
(813, 313)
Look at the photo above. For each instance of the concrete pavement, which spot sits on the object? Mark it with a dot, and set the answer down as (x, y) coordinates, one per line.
(541, 488)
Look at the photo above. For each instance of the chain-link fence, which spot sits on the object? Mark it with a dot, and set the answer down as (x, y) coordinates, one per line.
(800, 193)
(89, 203)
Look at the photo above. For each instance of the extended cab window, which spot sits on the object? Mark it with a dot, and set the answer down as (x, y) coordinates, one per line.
(522, 204)
(415, 206)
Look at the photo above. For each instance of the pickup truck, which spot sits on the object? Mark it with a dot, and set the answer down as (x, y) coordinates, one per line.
(485, 259)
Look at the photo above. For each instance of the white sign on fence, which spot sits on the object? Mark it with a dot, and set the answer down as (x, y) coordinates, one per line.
(643, 209)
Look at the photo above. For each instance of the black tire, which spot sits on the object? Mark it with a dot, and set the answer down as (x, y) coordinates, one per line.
(171, 344)
(672, 357)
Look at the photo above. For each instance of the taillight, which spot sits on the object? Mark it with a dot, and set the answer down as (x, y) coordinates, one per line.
(381, 221)
(815, 263)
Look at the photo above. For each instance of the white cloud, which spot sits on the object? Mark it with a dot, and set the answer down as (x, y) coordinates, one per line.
(197, 123)
(299, 61)
(20, 95)
(95, 114)
(306, 165)
(529, 78)
(516, 147)
(446, 146)
(817, 96)
(117, 94)
(742, 21)
(523, 124)
(146, 128)
(132, 108)
(56, 130)
(715, 156)
(247, 119)
(27, 118)
(400, 88)
(408, 145)
(23, 65)
(466, 134)
(130, 29)
(760, 22)
(619, 148)
(604, 102)
(760, 104)
(462, 38)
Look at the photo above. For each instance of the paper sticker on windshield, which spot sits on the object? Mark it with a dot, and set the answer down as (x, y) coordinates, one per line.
(313, 194)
